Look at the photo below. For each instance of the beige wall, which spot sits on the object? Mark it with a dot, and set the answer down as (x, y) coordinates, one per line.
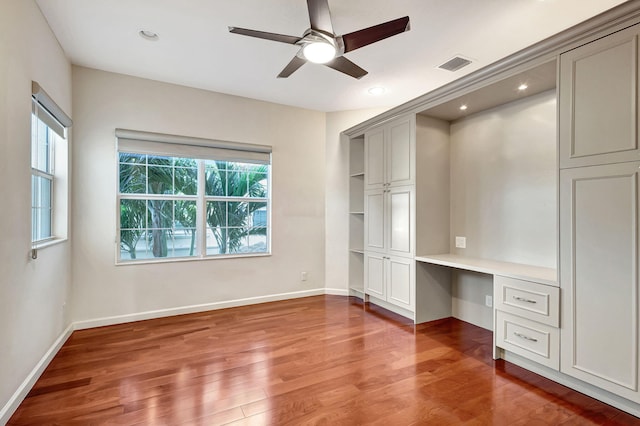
(104, 101)
(32, 293)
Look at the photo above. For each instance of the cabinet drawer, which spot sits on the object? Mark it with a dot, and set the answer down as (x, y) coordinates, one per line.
(527, 299)
(530, 339)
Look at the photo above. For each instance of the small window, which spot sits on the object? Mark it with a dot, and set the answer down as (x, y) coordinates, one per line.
(48, 169)
(184, 198)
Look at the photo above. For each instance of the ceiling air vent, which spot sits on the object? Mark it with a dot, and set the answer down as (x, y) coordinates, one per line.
(455, 64)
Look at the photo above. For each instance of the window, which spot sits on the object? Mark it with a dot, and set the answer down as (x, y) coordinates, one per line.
(48, 169)
(188, 198)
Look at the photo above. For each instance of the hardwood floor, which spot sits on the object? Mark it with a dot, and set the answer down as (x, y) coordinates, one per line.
(318, 360)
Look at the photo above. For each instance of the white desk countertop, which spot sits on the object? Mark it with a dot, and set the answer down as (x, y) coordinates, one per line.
(506, 269)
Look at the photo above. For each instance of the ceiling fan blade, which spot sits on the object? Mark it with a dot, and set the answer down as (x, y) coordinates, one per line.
(342, 64)
(292, 66)
(265, 35)
(320, 16)
(360, 38)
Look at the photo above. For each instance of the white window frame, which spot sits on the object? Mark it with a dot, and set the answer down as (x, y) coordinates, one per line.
(46, 111)
(200, 150)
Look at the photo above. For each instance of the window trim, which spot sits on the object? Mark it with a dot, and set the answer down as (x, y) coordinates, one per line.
(44, 109)
(199, 149)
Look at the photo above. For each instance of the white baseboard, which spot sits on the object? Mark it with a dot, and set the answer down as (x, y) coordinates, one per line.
(14, 402)
(336, 291)
(160, 313)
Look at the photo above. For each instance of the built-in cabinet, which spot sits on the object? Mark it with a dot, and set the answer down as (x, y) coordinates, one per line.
(389, 212)
(579, 325)
(599, 208)
(392, 193)
(390, 220)
(599, 275)
(389, 154)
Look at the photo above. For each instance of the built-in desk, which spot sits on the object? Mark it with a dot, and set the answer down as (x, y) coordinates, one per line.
(519, 271)
(526, 303)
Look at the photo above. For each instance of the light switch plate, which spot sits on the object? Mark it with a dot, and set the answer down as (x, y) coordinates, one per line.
(461, 242)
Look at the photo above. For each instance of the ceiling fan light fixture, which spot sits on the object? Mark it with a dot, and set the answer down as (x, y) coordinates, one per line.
(319, 52)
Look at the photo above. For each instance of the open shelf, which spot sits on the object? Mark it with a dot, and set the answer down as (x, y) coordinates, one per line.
(356, 156)
(356, 270)
(356, 193)
(356, 217)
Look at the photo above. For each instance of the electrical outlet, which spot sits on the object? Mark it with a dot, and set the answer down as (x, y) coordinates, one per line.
(461, 242)
(488, 301)
(303, 276)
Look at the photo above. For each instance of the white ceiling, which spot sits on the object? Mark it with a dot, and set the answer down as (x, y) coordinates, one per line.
(195, 48)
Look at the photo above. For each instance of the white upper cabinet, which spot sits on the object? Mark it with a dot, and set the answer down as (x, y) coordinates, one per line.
(599, 276)
(401, 152)
(599, 101)
(389, 152)
(374, 154)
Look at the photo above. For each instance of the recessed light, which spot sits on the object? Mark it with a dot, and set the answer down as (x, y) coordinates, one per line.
(148, 35)
(377, 91)
(463, 107)
(523, 87)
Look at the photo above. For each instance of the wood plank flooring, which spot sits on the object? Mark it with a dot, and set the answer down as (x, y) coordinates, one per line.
(325, 360)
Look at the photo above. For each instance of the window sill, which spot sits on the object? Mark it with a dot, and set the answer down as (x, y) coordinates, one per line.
(189, 259)
(49, 243)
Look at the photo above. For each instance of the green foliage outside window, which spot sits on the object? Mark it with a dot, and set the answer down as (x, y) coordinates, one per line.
(158, 206)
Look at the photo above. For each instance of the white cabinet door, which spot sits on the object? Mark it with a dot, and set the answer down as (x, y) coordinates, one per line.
(401, 152)
(599, 101)
(599, 208)
(401, 222)
(391, 279)
(389, 221)
(375, 152)
(374, 275)
(389, 153)
(375, 238)
(401, 282)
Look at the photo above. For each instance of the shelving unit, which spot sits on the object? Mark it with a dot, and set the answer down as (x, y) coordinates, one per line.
(356, 217)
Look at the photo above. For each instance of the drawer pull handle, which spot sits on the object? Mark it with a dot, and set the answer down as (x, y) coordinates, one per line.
(522, 299)
(522, 336)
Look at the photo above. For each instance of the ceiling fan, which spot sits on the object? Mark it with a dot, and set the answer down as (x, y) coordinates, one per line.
(319, 44)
